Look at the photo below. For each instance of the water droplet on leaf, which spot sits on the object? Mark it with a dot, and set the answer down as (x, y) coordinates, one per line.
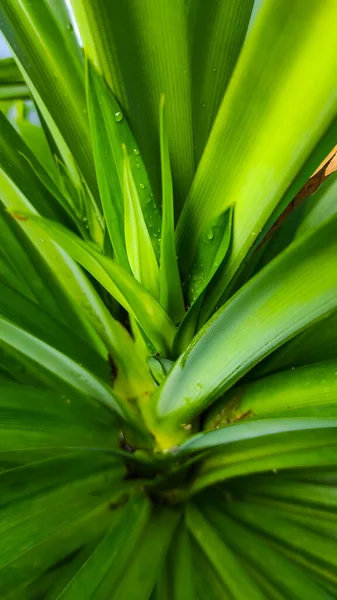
(136, 151)
(118, 116)
(210, 234)
(142, 186)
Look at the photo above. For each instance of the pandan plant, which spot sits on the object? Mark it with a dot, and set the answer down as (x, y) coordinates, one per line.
(168, 405)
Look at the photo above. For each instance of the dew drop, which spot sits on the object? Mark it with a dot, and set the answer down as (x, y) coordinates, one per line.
(118, 116)
(69, 27)
(138, 165)
(155, 235)
(210, 234)
(142, 186)
(148, 200)
(136, 151)
(213, 70)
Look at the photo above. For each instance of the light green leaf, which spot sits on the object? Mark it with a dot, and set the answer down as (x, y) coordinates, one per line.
(269, 249)
(63, 372)
(249, 162)
(295, 290)
(257, 428)
(217, 31)
(211, 251)
(33, 318)
(13, 91)
(309, 391)
(69, 288)
(55, 72)
(318, 342)
(171, 296)
(320, 207)
(110, 131)
(139, 248)
(21, 166)
(61, 12)
(9, 72)
(302, 443)
(131, 294)
(142, 50)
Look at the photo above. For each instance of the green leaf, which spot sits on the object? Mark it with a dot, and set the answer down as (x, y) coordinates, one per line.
(9, 72)
(21, 166)
(61, 12)
(295, 290)
(139, 248)
(217, 30)
(180, 560)
(142, 50)
(234, 577)
(13, 91)
(251, 264)
(285, 576)
(53, 423)
(30, 553)
(300, 498)
(309, 391)
(67, 293)
(318, 342)
(288, 444)
(320, 207)
(55, 72)
(209, 585)
(36, 140)
(211, 251)
(100, 572)
(62, 372)
(257, 428)
(249, 162)
(171, 296)
(131, 294)
(147, 557)
(108, 124)
(277, 525)
(31, 317)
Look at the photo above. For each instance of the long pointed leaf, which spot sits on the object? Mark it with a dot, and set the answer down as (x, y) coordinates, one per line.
(132, 295)
(54, 70)
(142, 49)
(171, 297)
(301, 284)
(240, 165)
(139, 248)
(308, 391)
